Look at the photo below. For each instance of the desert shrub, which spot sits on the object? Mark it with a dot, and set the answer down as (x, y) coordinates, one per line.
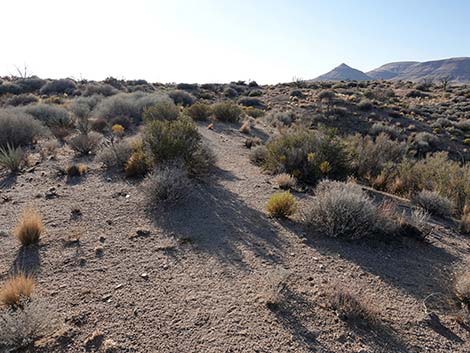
(131, 105)
(281, 205)
(10, 88)
(285, 181)
(199, 111)
(102, 89)
(76, 170)
(85, 144)
(29, 227)
(16, 289)
(115, 154)
(276, 118)
(369, 157)
(462, 289)
(137, 165)
(171, 140)
(50, 115)
(465, 220)
(20, 327)
(343, 210)
(433, 203)
(365, 105)
(463, 125)
(352, 309)
(30, 84)
(251, 102)
(61, 86)
(416, 94)
(246, 127)
(182, 97)
(122, 121)
(416, 224)
(303, 153)
(11, 158)
(227, 112)
(201, 162)
(254, 112)
(82, 107)
(22, 99)
(424, 142)
(297, 93)
(258, 155)
(18, 128)
(253, 84)
(99, 125)
(381, 128)
(167, 184)
(163, 110)
(188, 86)
(255, 93)
(442, 123)
(230, 92)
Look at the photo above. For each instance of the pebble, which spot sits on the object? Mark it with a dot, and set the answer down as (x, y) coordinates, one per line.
(144, 275)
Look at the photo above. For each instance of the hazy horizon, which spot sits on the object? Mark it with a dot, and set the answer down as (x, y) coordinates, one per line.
(221, 41)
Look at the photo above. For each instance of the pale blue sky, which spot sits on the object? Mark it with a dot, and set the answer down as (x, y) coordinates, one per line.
(220, 41)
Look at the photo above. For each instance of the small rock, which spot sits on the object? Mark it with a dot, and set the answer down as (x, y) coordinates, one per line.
(94, 341)
(109, 222)
(102, 239)
(99, 250)
(106, 297)
(119, 286)
(145, 275)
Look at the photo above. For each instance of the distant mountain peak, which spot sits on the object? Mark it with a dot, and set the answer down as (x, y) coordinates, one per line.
(343, 72)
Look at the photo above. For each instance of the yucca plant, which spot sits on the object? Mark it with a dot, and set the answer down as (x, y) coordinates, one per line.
(11, 158)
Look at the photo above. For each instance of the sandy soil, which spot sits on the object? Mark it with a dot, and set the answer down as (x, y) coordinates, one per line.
(195, 277)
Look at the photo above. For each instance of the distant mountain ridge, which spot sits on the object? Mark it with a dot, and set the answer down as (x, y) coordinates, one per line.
(453, 69)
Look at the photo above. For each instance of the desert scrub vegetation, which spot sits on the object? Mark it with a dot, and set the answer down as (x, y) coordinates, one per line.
(61, 86)
(281, 205)
(162, 110)
(166, 184)
(85, 144)
(16, 290)
(115, 154)
(343, 210)
(29, 227)
(465, 220)
(182, 97)
(462, 290)
(227, 112)
(11, 158)
(307, 155)
(285, 181)
(76, 170)
(434, 203)
(22, 326)
(19, 129)
(199, 111)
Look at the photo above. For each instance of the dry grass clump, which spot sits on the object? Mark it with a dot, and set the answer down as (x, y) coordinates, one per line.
(16, 289)
(285, 181)
(433, 203)
(245, 128)
(343, 210)
(281, 205)
(85, 144)
(75, 170)
(11, 158)
(352, 309)
(276, 283)
(29, 227)
(465, 220)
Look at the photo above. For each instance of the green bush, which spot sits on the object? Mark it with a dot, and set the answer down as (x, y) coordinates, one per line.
(61, 86)
(182, 97)
(85, 144)
(11, 158)
(227, 112)
(199, 111)
(281, 205)
(163, 110)
(167, 184)
(307, 155)
(50, 115)
(433, 203)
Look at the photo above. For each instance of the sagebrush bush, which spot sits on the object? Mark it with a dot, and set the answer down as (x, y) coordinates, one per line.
(22, 99)
(130, 105)
(103, 89)
(61, 86)
(301, 153)
(50, 115)
(16, 289)
(115, 154)
(433, 203)
(11, 158)
(381, 128)
(76, 170)
(18, 128)
(85, 144)
(462, 289)
(282, 205)
(227, 112)
(29, 227)
(182, 97)
(259, 155)
(465, 220)
(199, 111)
(343, 210)
(167, 184)
(163, 110)
(280, 119)
(20, 327)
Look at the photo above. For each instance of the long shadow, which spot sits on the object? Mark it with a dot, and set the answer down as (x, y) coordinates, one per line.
(27, 260)
(295, 312)
(8, 181)
(218, 222)
(416, 267)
